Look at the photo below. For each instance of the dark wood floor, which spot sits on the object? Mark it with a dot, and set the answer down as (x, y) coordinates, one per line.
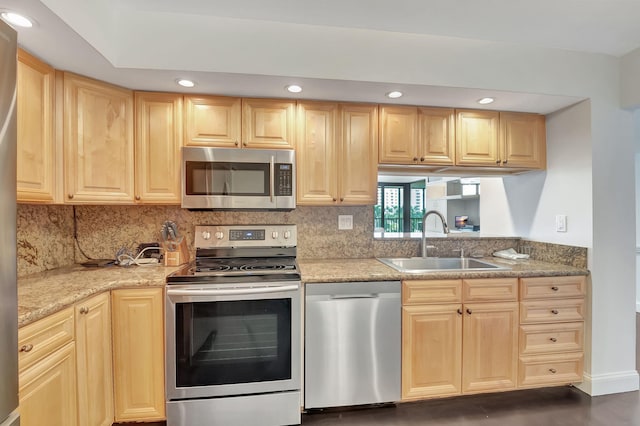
(563, 406)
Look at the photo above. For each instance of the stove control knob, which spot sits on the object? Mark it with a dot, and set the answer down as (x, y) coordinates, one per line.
(206, 235)
(287, 235)
(274, 235)
(219, 235)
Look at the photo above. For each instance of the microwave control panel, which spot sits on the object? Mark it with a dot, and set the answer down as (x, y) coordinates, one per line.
(284, 179)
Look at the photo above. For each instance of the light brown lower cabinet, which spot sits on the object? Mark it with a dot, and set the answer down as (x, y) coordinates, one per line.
(94, 361)
(47, 371)
(459, 348)
(138, 354)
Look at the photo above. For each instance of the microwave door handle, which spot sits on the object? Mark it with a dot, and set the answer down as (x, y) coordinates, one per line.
(272, 177)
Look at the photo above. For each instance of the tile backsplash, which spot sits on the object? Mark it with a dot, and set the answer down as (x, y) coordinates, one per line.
(45, 234)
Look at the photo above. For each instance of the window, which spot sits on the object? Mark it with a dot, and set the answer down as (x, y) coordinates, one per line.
(400, 207)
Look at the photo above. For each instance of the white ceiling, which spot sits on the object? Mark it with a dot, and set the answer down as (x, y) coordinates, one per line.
(99, 38)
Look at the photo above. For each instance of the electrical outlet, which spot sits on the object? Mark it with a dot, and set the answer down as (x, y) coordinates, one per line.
(561, 223)
(345, 221)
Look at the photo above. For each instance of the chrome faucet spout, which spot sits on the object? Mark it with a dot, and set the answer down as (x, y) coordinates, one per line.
(445, 228)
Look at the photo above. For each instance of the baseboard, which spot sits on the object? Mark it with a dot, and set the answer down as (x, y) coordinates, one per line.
(605, 384)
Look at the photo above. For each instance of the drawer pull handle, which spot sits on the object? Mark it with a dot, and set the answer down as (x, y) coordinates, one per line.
(554, 288)
(554, 311)
(553, 370)
(26, 348)
(84, 310)
(459, 311)
(469, 311)
(553, 339)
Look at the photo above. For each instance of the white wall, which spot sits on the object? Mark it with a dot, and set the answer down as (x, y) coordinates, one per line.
(630, 83)
(636, 120)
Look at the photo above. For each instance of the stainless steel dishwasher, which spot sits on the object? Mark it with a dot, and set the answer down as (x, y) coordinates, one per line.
(352, 343)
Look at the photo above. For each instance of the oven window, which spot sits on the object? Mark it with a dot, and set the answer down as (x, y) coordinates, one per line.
(233, 342)
(225, 178)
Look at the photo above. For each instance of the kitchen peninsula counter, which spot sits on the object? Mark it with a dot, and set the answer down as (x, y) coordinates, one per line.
(351, 270)
(47, 292)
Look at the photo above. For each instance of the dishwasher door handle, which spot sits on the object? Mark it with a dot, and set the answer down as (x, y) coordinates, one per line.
(353, 296)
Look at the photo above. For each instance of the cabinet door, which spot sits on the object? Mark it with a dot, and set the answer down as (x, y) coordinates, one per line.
(523, 140)
(477, 138)
(157, 148)
(490, 350)
(436, 131)
(398, 135)
(94, 359)
(268, 123)
(36, 156)
(98, 139)
(138, 354)
(431, 350)
(48, 390)
(212, 121)
(358, 159)
(316, 153)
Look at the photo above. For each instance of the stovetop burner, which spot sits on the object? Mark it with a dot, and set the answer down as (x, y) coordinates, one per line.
(241, 253)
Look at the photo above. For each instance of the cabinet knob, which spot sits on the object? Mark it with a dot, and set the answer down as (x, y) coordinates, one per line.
(334, 200)
(469, 311)
(244, 144)
(504, 161)
(341, 199)
(553, 339)
(415, 158)
(422, 159)
(236, 143)
(459, 311)
(554, 311)
(554, 288)
(84, 310)
(70, 196)
(553, 370)
(26, 348)
(137, 197)
(497, 161)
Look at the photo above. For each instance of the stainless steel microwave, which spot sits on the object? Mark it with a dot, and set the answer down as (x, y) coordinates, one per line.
(233, 178)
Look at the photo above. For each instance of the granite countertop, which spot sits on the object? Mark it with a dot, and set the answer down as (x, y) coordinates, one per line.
(339, 270)
(47, 292)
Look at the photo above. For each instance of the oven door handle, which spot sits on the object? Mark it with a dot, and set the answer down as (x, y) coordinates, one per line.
(229, 292)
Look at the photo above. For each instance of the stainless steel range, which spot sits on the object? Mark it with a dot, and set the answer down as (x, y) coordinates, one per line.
(233, 333)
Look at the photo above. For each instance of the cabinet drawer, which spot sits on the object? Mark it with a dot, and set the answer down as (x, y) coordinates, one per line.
(544, 370)
(552, 287)
(43, 337)
(551, 338)
(552, 311)
(490, 290)
(431, 291)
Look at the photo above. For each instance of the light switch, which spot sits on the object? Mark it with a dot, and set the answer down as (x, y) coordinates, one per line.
(561, 223)
(345, 221)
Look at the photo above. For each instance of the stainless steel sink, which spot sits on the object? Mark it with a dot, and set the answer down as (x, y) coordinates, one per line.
(430, 264)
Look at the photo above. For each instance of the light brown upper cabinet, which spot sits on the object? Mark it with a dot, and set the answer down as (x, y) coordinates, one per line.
(212, 121)
(98, 141)
(36, 156)
(336, 154)
(268, 123)
(523, 140)
(500, 139)
(157, 147)
(410, 135)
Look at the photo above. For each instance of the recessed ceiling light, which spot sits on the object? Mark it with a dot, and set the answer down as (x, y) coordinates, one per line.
(294, 88)
(394, 95)
(185, 83)
(17, 19)
(485, 101)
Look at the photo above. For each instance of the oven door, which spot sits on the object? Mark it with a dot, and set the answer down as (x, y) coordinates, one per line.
(232, 341)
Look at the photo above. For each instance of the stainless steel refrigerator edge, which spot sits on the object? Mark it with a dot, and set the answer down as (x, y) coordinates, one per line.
(8, 262)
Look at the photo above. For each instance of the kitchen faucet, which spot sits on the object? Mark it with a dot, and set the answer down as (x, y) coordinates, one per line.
(445, 228)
